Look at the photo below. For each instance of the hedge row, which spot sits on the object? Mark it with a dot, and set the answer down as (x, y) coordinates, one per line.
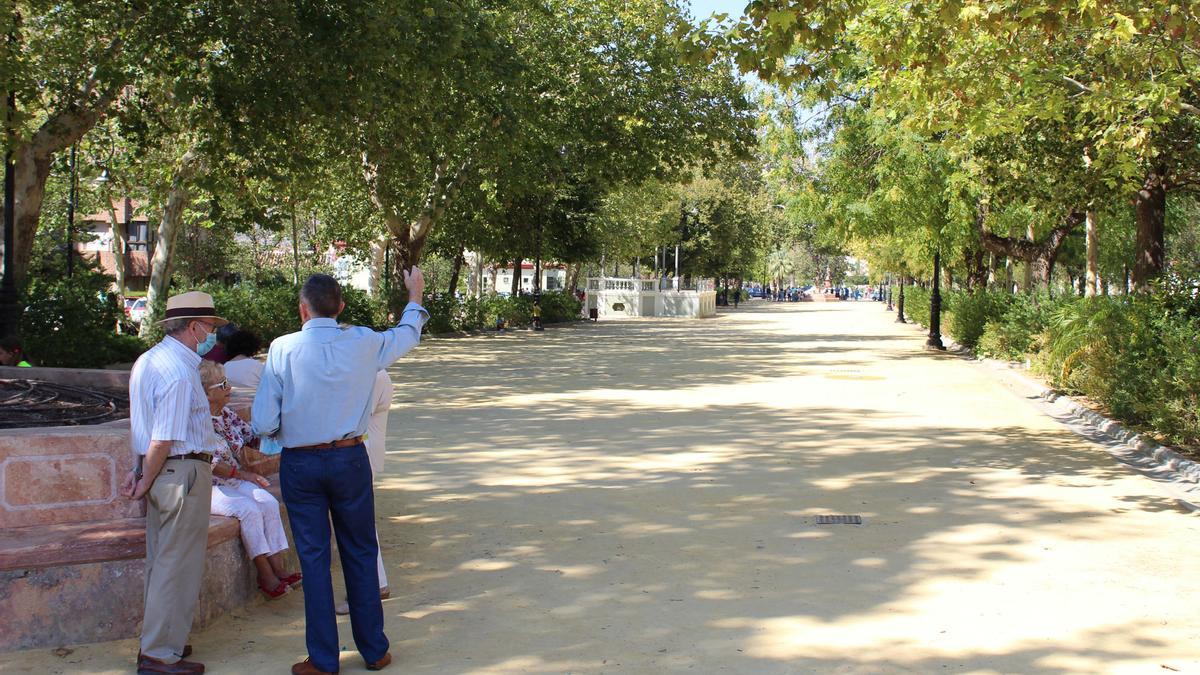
(1136, 355)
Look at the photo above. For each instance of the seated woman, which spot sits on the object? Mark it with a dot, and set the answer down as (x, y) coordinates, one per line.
(240, 494)
(242, 369)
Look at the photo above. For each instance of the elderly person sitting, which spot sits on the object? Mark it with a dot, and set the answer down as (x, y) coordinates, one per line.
(240, 494)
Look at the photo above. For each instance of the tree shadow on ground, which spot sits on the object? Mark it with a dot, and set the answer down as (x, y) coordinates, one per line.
(623, 503)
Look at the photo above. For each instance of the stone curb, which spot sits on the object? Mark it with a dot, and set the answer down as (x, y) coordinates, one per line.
(1158, 462)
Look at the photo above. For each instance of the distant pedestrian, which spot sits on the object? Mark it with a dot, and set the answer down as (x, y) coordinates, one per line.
(10, 353)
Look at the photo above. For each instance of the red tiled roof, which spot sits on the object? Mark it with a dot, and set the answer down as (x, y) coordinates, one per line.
(119, 205)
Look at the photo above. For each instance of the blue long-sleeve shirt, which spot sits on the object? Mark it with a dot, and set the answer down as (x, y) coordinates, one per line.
(316, 386)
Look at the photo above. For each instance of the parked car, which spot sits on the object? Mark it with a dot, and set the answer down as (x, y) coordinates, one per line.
(136, 311)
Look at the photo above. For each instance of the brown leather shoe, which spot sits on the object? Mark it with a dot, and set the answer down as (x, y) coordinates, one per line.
(187, 651)
(306, 667)
(381, 663)
(148, 665)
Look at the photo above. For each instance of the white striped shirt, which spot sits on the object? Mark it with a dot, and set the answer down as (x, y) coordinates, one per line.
(168, 403)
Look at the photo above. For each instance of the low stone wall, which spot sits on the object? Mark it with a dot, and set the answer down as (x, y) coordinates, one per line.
(65, 475)
(79, 377)
(72, 548)
(53, 605)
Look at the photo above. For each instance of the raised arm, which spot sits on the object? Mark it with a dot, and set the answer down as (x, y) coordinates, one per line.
(400, 339)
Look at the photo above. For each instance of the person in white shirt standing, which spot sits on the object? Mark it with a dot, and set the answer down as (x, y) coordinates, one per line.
(376, 442)
(173, 442)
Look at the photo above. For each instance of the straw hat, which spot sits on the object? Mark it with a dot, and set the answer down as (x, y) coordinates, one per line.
(192, 305)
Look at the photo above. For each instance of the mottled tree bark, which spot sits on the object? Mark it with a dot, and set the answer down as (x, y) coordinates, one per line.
(1150, 207)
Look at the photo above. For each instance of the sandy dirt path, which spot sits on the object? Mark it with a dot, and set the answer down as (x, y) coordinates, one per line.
(640, 497)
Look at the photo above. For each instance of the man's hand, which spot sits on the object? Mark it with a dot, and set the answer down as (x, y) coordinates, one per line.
(414, 281)
(128, 485)
(141, 488)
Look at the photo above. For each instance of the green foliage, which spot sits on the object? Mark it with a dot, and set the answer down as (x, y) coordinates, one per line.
(450, 315)
(69, 323)
(266, 309)
(1016, 333)
(973, 311)
(1134, 356)
(916, 304)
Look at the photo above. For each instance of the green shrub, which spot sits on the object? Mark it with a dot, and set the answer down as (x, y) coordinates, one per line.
(444, 314)
(267, 309)
(71, 322)
(1017, 332)
(560, 306)
(973, 311)
(271, 308)
(361, 309)
(916, 304)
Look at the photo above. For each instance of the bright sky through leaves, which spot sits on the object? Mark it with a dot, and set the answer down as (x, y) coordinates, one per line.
(702, 9)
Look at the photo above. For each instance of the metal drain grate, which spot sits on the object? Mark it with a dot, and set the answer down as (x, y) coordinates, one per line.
(839, 520)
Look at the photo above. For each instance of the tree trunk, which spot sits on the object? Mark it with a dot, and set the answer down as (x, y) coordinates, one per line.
(1091, 286)
(1150, 207)
(479, 289)
(1027, 280)
(168, 232)
(376, 273)
(119, 247)
(573, 279)
(1039, 256)
(978, 268)
(454, 272)
(516, 279)
(295, 249)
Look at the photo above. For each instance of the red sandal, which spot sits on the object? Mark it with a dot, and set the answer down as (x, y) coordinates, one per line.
(281, 590)
(293, 580)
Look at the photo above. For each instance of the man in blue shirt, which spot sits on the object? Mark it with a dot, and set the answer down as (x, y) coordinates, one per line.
(314, 398)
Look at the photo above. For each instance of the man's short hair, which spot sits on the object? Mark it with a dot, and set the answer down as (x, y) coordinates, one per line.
(175, 326)
(322, 295)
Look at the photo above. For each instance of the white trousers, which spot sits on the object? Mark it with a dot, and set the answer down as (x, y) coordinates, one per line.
(257, 512)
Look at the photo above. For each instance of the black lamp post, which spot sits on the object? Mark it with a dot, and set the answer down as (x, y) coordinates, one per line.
(71, 216)
(537, 282)
(935, 307)
(900, 302)
(8, 290)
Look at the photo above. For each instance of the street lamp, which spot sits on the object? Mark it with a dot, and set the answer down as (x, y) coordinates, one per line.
(935, 307)
(8, 291)
(900, 302)
(537, 282)
(71, 201)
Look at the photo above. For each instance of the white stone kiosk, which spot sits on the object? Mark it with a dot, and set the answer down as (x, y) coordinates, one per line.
(616, 297)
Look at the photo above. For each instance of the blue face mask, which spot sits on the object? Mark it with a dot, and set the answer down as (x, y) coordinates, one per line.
(206, 346)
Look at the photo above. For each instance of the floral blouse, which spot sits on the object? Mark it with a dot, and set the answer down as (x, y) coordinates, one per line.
(237, 433)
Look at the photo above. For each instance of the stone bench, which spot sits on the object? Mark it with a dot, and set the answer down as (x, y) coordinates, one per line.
(72, 549)
(74, 583)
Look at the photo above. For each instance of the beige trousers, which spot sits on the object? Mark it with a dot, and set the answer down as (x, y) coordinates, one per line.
(176, 538)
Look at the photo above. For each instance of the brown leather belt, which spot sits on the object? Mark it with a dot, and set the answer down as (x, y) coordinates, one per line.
(344, 443)
(205, 457)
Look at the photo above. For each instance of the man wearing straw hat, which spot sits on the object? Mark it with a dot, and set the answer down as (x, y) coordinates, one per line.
(173, 441)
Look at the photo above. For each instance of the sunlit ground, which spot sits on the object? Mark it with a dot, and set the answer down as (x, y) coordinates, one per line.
(641, 496)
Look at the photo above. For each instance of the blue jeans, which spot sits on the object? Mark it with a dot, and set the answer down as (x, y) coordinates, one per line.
(318, 484)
